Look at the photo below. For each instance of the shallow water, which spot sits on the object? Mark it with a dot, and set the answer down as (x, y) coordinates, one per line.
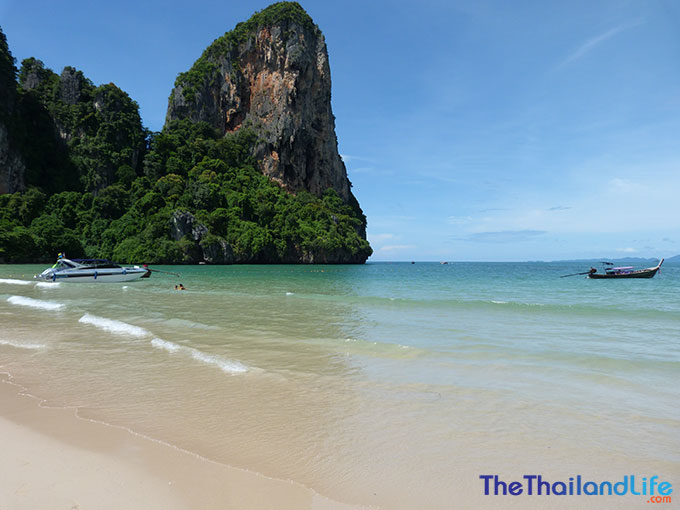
(387, 384)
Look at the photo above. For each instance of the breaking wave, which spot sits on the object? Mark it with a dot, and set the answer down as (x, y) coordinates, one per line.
(48, 285)
(35, 303)
(15, 282)
(19, 345)
(165, 345)
(114, 326)
(226, 365)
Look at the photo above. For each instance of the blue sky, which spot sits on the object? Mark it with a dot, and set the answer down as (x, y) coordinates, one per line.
(471, 130)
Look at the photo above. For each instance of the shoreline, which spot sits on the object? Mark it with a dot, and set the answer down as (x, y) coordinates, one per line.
(374, 386)
(54, 458)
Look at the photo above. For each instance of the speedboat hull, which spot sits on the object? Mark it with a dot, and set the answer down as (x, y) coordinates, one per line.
(73, 271)
(102, 275)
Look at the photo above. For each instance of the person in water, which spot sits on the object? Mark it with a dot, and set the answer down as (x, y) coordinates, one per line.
(180, 287)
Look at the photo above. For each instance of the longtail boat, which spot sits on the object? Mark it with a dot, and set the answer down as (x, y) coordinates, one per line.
(624, 272)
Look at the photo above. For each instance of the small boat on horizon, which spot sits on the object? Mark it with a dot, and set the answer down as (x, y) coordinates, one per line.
(90, 270)
(624, 271)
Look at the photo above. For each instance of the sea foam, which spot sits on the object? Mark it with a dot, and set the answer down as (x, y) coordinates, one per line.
(19, 345)
(114, 326)
(48, 285)
(226, 365)
(159, 343)
(9, 281)
(35, 303)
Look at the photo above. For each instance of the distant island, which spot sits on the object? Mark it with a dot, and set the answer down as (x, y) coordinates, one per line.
(245, 170)
(627, 260)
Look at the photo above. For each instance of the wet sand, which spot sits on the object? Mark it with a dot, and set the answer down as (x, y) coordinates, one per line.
(53, 459)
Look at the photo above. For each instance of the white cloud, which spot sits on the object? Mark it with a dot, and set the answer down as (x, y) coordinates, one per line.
(503, 236)
(362, 170)
(624, 198)
(397, 247)
(459, 220)
(348, 159)
(374, 238)
(624, 185)
(592, 43)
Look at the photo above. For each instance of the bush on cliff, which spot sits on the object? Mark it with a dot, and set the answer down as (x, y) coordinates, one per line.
(212, 178)
(101, 186)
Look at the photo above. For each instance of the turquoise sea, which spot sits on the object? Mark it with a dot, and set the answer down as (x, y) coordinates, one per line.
(388, 384)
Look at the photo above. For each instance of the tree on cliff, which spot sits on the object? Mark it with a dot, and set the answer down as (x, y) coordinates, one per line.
(8, 73)
(195, 191)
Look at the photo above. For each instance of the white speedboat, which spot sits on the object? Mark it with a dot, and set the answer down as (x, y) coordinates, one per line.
(90, 270)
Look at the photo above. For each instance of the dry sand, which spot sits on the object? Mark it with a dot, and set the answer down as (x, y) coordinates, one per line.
(52, 459)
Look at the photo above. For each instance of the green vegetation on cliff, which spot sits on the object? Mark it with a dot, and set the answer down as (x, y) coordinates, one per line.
(100, 127)
(101, 186)
(8, 73)
(245, 216)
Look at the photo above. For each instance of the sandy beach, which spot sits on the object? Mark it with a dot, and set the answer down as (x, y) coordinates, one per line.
(382, 386)
(54, 459)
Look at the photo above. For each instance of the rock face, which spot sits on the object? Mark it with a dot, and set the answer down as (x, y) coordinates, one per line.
(12, 165)
(185, 224)
(203, 247)
(69, 90)
(98, 129)
(206, 248)
(271, 73)
(71, 83)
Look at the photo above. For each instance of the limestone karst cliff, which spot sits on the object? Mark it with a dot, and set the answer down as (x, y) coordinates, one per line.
(271, 73)
(60, 132)
(100, 127)
(246, 169)
(12, 165)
